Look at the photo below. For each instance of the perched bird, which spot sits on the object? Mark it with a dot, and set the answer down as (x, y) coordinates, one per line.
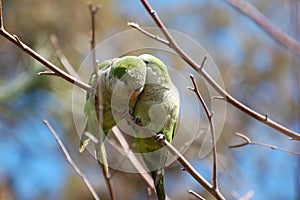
(157, 110)
(121, 80)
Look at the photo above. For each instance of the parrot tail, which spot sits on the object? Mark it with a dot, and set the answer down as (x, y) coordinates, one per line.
(159, 182)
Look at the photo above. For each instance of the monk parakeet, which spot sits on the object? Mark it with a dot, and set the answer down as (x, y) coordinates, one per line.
(122, 80)
(157, 110)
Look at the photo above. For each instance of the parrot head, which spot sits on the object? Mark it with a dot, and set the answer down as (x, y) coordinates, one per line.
(130, 73)
(127, 78)
(157, 72)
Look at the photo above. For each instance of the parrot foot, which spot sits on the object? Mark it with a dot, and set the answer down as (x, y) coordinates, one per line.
(160, 137)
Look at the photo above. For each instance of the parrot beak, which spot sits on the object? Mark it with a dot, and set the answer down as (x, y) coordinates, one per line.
(134, 95)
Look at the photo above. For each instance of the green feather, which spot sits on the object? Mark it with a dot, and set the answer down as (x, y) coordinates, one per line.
(157, 109)
(129, 69)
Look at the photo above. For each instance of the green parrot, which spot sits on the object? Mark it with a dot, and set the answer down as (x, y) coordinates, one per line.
(157, 110)
(122, 80)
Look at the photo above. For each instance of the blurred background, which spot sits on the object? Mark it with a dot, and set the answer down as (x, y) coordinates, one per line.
(255, 69)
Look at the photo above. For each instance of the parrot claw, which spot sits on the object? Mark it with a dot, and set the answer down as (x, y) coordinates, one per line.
(160, 136)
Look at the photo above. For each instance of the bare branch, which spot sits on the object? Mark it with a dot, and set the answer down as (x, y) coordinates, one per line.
(62, 58)
(193, 172)
(156, 37)
(91, 137)
(203, 62)
(196, 195)
(47, 73)
(248, 141)
(212, 82)
(93, 11)
(147, 178)
(100, 146)
(70, 160)
(184, 162)
(1, 16)
(14, 39)
(254, 14)
(218, 98)
(209, 117)
(136, 163)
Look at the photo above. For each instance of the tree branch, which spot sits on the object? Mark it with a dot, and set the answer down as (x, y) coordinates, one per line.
(14, 39)
(172, 44)
(104, 165)
(137, 26)
(1, 16)
(209, 117)
(46, 73)
(195, 195)
(193, 172)
(139, 167)
(62, 58)
(261, 20)
(119, 136)
(184, 162)
(70, 160)
(248, 141)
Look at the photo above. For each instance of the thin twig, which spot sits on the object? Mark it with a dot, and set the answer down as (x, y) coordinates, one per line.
(210, 120)
(14, 39)
(93, 11)
(62, 58)
(218, 98)
(196, 195)
(261, 20)
(248, 141)
(184, 162)
(139, 167)
(104, 165)
(64, 61)
(203, 62)
(1, 16)
(156, 37)
(172, 44)
(70, 160)
(193, 172)
(91, 137)
(46, 73)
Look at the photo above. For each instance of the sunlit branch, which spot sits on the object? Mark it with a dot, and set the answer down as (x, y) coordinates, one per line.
(136, 163)
(70, 160)
(183, 161)
(58, 72)
(62, 58)
(46, 73)
(210, 120)
(100, 146)
(248, 141)
(260, 19)
(172, 44)
(195, 194)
